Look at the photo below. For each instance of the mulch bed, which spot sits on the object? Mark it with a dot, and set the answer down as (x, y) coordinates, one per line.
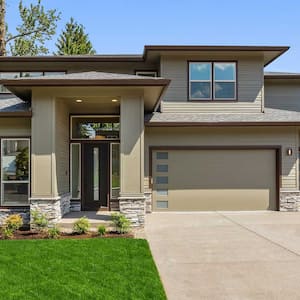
(33, 235)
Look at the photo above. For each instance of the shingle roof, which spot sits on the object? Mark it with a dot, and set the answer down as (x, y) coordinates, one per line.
(11, 103)
(92, 75)
(270, 117)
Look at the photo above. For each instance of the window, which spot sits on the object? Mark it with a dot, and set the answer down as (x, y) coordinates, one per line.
(15, 171)
(115, 170)
(212, 81)
(95, 127)
(146, 73)
(75, 170)
(161, 155)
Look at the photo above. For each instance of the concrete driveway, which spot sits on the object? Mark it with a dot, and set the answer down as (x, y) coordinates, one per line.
(227, 255)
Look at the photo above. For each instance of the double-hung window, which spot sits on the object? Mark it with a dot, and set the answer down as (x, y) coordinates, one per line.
(15, 171)
(212, 81)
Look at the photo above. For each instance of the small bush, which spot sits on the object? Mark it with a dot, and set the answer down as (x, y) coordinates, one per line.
(7, 233)
(13, 222)
(53, 232)
(10, 225)
(121, 223)
(101, 230)
(81, 226)
(39, 220)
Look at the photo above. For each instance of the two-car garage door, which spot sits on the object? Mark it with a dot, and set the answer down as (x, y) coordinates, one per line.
(212, 179)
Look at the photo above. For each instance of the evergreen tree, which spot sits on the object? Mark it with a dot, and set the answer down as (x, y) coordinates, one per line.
(73, 40)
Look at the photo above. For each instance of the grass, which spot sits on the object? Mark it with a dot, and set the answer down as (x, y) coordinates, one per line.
(78, 269)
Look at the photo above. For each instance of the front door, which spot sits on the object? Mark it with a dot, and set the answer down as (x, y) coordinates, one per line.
(95, 192)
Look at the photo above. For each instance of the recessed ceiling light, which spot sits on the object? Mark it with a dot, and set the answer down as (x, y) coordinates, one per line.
(114, 100)
(78, 100)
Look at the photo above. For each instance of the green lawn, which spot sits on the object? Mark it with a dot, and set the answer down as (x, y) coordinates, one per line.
(78, 269)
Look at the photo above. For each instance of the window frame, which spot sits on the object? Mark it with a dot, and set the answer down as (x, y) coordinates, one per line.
(2, 203)
(141, 72)
(212, 82)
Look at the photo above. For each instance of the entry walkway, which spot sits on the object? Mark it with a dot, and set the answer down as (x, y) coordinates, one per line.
(227, 255)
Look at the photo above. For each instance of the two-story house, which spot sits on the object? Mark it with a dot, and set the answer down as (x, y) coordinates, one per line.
(178, 128)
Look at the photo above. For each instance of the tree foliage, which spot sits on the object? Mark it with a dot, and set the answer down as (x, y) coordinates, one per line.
(37, 26)
(73, 40)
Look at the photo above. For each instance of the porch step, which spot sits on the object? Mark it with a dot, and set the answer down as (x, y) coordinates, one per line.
(95, 218)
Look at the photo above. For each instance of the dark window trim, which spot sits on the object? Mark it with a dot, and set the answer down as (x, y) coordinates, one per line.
(30, 172)
(212, 81)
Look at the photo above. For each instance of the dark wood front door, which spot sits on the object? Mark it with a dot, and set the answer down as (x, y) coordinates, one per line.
(95, 193)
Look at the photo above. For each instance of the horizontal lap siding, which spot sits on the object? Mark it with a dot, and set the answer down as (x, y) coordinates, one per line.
(250, 86)
(279, 95)
(284, 137)
(15, 127)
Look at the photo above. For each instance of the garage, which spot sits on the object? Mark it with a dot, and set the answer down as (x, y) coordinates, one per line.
(204, 179)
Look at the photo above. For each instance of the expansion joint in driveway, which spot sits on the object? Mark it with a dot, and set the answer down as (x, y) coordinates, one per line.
(256, 233)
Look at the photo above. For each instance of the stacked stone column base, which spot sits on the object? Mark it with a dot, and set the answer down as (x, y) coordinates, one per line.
(134, 209)
(290, 201)
(52, 208)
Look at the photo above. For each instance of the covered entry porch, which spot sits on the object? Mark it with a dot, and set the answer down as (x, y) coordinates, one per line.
(87, 141)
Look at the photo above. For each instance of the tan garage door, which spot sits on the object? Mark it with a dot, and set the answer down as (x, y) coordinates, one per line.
(189, 180)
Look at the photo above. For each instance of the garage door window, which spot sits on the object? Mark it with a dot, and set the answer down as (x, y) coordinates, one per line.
(162, 180)
(162, 168)
(162, 192)
(162, 204)
(162, 155)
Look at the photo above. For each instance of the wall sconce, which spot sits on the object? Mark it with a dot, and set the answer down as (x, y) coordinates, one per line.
(289, 151)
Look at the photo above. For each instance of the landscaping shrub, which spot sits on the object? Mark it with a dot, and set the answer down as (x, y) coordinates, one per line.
(101, 230)
(13, 222)
(7, 233)
(121, 223)
(81, 226)
(53, 232)
(10, 225)
(39, 220)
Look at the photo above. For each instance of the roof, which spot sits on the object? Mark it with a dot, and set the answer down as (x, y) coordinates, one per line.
(87, 79)
(10, 106)
(281, 75)
(270, 117)
(270, 54)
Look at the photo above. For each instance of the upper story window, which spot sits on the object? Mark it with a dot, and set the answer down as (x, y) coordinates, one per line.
(13, 75)
(212, 81)
(146, 73)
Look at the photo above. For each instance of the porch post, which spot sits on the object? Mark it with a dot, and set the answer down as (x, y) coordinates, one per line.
(44, 191)
(132, 200)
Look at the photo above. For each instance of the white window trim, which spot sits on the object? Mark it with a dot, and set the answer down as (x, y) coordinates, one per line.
(213, 81)
(71, 170)
(3, 203)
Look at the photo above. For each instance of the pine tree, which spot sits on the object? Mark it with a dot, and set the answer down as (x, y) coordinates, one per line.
(74, 41)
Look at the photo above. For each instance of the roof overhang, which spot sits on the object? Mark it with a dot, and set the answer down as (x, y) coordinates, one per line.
(270, 53)
(151, 88)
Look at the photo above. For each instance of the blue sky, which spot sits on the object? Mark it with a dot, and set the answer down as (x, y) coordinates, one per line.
(125, 26)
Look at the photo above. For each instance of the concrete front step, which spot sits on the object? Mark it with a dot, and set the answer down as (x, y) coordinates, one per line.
(95, 219)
